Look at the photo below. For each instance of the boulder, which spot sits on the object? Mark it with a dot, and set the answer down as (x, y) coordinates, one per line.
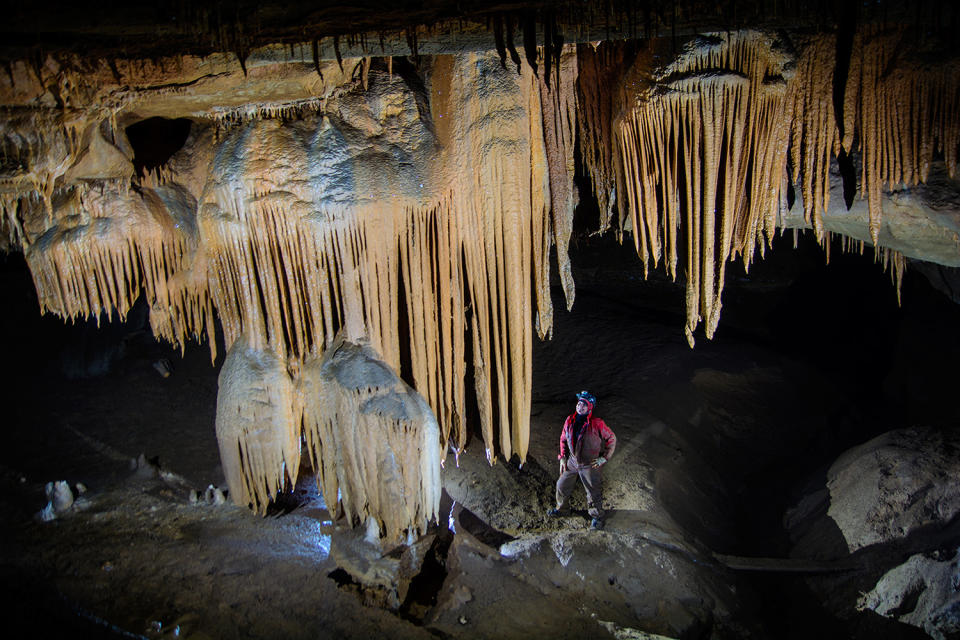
(887, 488)
(922, 592)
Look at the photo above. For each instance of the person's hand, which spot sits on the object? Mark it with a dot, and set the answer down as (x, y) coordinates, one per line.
(599, 462)
(563, 466)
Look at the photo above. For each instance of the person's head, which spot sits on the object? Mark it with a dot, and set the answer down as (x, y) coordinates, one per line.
(585, 402)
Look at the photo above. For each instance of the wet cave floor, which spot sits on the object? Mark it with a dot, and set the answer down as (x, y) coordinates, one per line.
(715, 445)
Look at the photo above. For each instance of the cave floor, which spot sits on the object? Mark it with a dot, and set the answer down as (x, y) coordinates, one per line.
(713, 445)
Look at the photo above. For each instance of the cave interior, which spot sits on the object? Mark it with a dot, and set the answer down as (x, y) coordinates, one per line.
(298, 297)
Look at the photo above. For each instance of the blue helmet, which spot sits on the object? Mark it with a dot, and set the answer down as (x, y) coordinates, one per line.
(589, 397)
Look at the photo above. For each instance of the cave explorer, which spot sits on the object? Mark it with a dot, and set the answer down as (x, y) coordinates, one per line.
(586, 444)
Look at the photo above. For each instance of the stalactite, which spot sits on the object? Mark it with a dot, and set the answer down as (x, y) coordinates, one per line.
(11, 220)
(686, 150)
(500, 190)
(599, 102)
(226, 117)
(814, 136)
(904, 113)
(559, 130)
(891, 261)
(365, 72)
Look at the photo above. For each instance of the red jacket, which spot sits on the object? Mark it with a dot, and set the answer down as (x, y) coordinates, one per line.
(596, 440)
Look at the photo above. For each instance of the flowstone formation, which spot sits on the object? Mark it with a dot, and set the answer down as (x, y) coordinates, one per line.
(414, 203)
(373, 442)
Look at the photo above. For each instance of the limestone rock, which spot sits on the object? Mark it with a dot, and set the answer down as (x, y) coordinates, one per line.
(381, 576)
(664, 587)
(922, 221)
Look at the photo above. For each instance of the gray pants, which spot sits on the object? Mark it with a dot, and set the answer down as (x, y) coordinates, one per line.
(592, 481)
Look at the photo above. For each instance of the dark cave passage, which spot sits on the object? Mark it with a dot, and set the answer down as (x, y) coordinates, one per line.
(155, 140)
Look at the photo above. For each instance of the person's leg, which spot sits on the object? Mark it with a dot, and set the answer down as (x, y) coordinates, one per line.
(565, 484)
(593, 482)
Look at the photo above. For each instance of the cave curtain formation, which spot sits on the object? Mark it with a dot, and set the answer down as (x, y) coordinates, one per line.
(416, 211)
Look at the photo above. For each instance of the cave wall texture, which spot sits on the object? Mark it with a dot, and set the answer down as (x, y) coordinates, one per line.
(402, 177)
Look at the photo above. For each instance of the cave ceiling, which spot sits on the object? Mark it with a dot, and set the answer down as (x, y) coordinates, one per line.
(399, 173)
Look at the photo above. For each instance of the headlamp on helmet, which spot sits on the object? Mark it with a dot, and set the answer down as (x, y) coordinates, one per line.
(588, 397)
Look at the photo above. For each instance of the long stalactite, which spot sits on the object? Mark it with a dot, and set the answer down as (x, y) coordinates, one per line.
(696, 152)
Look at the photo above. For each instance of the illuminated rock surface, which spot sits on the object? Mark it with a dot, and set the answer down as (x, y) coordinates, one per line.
(888, 488)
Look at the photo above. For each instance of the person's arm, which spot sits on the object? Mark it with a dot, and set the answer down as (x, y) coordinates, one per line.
(609, 440)
(609, 444)
(563, 441)
(564, 454)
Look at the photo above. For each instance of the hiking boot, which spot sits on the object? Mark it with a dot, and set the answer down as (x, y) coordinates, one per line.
(555, 513)
(596, 524)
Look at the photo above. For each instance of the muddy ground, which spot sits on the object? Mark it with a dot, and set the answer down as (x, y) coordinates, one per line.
(715, 444)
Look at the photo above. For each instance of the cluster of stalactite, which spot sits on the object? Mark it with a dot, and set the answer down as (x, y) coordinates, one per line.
(599, 103)
(704, 151)
(453, 278)
(701, 156)
(114, 247)
(902, 111)
(465, 276)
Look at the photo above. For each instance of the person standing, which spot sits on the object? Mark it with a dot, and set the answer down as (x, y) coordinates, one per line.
(586, 444)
